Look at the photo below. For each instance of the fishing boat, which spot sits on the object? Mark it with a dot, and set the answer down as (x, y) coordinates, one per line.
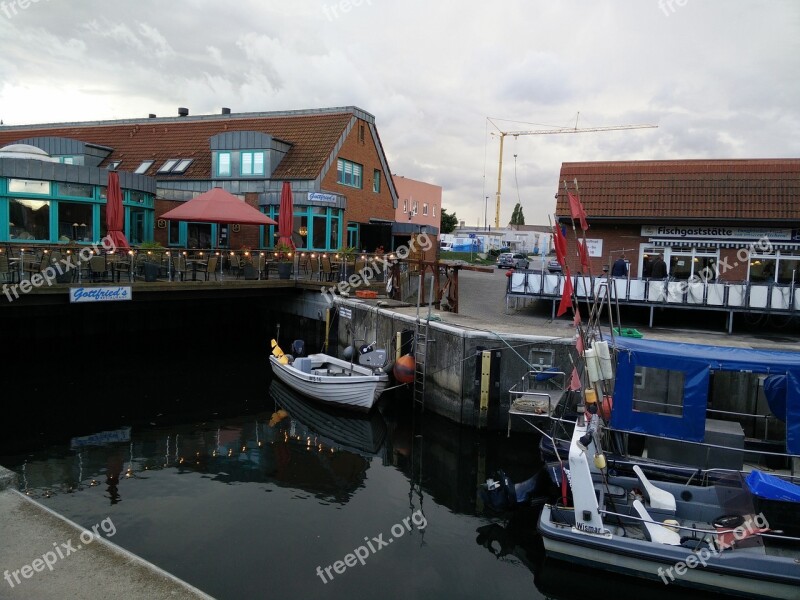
(325, 378)
(701, 536)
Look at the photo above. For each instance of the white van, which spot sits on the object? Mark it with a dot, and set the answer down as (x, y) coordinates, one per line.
(446, 246)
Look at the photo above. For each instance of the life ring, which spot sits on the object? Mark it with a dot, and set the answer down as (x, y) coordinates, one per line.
(389, 285)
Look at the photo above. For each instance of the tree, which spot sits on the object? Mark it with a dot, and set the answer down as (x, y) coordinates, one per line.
(517, 218)
(448, 221)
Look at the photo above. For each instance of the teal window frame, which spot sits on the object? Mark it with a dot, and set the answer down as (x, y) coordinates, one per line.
(250, 155)
(349, 173)
(376, 181)
(353, 231)
(217, 164)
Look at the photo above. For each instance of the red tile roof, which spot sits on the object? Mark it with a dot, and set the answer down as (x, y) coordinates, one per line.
(753, 189)
(313, 136)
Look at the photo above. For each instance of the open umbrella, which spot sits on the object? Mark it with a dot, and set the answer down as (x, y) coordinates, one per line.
(115, 214)
(286, 216)
(218, 206)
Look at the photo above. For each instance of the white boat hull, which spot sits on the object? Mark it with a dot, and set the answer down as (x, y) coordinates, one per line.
(333, 381)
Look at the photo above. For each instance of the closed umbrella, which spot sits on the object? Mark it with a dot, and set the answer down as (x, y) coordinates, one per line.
(286, 216)
(115, 214)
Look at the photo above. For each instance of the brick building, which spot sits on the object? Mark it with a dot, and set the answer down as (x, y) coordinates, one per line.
(333, 158)
(419, 208)
(726, 220)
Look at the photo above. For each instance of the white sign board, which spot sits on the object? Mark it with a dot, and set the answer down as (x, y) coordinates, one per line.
(594, 248)
(346, 313)
(100, 294)
(319, 197)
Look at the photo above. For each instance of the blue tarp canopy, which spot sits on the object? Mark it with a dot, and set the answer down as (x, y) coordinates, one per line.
(770, 487)
(696, 361)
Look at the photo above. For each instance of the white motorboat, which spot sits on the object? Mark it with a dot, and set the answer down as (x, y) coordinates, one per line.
(333, 380)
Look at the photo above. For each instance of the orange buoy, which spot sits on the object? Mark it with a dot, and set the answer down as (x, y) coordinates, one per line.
(404, 369)
(606, 407)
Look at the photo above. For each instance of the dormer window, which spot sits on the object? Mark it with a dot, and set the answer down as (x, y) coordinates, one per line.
(224, 164)
(252, 162)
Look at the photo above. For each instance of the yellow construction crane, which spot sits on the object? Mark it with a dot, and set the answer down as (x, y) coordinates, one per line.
(551, 131)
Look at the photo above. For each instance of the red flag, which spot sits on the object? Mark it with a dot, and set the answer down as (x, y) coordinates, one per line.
(566, 295)
(560, 243)
(584, 256)
(574, 380)
(579, 344)
(576, 208)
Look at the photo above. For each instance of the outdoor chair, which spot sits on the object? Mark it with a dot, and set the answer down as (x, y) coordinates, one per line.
(305, 264)
(327, 269)
(9, 273)
(315, 272)
(235, 265)
(98, 267)
(179, 267)
(211, 267)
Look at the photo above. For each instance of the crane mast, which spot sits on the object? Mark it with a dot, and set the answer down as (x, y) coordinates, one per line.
(555, 130)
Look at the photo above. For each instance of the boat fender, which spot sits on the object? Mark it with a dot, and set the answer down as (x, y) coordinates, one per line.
(389, 285)
(276, 350)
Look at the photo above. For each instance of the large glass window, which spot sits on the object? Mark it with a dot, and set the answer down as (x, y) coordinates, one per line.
(788, 266)
(252, 163)
(352, 235)
(75, 221)
(348, 173)
(198, 235)
(319, 228)
(300, 227)
(76, 190)
(29, 219)
(29, 186)
(174, 233)
(762, 268)
(334, 241)
(136, 229)
(686, 263)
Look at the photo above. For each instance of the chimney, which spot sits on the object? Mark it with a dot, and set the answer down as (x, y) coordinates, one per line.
(226, 110)
(183, 112)
(151, 116)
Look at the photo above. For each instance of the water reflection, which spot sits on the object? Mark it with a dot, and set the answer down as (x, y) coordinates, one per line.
(297, 445)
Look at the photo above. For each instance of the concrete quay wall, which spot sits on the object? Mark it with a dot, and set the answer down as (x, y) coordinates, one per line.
(451, 389)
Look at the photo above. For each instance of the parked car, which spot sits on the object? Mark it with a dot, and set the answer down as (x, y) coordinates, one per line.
(553, 266)
(510, 260)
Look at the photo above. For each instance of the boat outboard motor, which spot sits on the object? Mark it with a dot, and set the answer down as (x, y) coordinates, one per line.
(298, 348)
(375, 359)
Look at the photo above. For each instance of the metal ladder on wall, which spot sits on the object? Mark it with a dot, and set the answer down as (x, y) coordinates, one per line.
(421, 347)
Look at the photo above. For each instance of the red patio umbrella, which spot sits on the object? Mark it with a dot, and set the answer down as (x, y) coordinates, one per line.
(286, 216)
(218, 206)
(115, 214)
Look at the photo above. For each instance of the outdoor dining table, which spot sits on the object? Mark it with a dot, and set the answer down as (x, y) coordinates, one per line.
(194, 262)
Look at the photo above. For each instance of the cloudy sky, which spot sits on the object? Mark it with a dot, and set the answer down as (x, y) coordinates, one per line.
(719, 77)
